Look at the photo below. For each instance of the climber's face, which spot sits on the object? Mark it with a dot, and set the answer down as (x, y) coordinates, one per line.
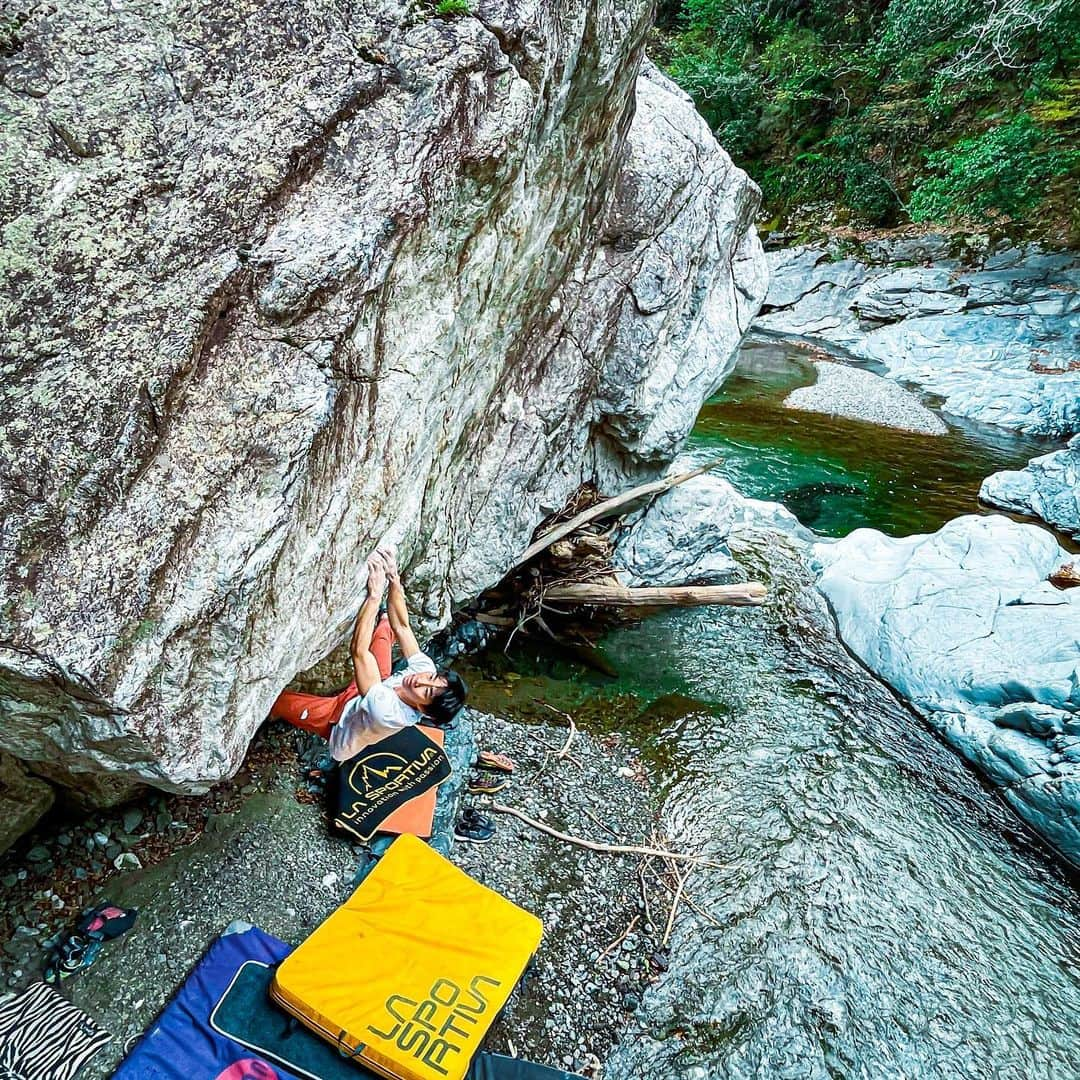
(421, 688)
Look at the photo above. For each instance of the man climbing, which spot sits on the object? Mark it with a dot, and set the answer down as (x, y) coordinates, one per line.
(377, 703)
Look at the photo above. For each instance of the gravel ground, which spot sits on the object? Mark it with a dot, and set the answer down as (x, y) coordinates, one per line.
(257, 849)
(858, 394)
(575, 1003)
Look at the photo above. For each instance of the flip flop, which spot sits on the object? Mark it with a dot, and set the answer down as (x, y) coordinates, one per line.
(489, 759)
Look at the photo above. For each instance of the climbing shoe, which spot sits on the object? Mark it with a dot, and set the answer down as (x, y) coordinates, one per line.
(489, 759)
(473, 828)
(486, 784)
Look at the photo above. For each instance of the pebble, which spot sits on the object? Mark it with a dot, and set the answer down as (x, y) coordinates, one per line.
(127, 861)
(132, 819)
(101, 839)
(38, 854)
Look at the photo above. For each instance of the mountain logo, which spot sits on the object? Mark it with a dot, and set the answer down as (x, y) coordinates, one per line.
(377, 769)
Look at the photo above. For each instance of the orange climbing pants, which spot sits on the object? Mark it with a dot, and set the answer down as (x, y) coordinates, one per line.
(318, 714)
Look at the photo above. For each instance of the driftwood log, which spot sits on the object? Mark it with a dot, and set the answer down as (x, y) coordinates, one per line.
(617, 505)
(743, 594)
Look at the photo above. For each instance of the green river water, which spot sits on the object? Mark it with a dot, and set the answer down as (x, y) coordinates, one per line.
(879, 913)
(838, 474)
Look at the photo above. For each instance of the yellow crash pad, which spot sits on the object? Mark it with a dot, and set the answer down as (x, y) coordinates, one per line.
(408, 974)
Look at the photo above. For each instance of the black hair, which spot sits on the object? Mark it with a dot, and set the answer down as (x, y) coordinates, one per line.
(448, 704)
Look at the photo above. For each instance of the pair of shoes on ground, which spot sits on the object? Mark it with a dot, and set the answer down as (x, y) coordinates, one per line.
(473, 828)
(492, 773)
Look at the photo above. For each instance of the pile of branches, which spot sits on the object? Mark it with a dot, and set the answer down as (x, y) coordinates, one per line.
(520, 602)
(565, 579)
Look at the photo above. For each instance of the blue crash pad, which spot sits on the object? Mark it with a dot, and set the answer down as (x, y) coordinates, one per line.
(187, 1041)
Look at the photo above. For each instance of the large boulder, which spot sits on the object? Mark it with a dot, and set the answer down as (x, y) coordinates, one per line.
(23, 800)
(1048, 487)
(965, 625)
(683, 537)
(995, 334)
(281, 281)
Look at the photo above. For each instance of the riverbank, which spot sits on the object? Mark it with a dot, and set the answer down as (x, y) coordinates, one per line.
(257, 849)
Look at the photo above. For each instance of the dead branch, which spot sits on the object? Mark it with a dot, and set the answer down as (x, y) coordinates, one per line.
(564, 752)
(592, 845)
(619, 940)
(746, 594)
(605, 509)
(674, 906)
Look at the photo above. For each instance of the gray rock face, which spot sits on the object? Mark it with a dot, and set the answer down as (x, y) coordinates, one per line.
(278, 283)
(964, 624)
(23, 799)
(1047, 487)
(999, 341)
(683, 537)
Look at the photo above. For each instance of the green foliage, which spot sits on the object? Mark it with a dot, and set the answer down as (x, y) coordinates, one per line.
(1005, 170)
(452, 7)
(872, 103)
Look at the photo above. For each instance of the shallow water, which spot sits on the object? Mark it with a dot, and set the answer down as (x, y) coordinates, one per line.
(838, 474)
(879, 913)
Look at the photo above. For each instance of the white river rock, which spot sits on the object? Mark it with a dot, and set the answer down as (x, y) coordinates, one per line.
(996, 336)
(281, 282)
(964, 624)
(1047, 487)
(682, 538)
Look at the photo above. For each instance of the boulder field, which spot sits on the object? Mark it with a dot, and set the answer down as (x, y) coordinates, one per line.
(280, 282)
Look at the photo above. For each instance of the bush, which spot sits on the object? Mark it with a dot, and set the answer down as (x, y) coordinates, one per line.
(1005, 170)
(868, 104)
(452, 7)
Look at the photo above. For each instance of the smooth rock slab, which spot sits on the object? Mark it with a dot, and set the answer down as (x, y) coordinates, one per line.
(841, 390)
(964, 624)
(683, 537)
(1047, 487)
(997, 337)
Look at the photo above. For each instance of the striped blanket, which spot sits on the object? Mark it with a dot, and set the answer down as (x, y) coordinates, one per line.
(44, 1037)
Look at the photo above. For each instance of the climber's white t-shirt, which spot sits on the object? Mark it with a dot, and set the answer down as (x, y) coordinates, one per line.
(380, 712)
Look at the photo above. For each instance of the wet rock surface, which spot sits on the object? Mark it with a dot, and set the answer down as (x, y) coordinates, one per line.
(1047, 488)
(966, 626)
(306, 280)
(991, 332)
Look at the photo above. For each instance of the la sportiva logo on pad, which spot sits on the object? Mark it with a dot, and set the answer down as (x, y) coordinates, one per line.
(384, 776)
(441, 1024)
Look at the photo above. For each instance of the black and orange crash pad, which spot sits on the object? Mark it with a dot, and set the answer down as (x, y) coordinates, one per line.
(417, 816)
(246, 1015)
(383, 777)
(408, 974)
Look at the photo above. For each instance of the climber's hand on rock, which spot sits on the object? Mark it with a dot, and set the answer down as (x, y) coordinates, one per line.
(376, 570)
